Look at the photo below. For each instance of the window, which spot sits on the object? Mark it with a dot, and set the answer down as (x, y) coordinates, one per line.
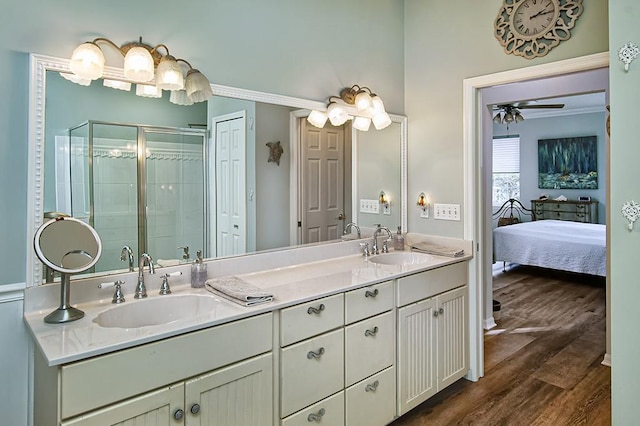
(506, 169)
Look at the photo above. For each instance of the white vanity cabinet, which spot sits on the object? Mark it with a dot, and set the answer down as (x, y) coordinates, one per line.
(433, 343)
(151, 383)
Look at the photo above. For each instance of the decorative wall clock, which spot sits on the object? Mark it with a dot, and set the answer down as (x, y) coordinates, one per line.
(531, 28)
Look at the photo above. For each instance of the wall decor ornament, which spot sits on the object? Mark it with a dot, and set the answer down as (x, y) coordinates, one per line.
(631, 212)
(627, 54)
(531, 28)
(568, 163)
(275, 152)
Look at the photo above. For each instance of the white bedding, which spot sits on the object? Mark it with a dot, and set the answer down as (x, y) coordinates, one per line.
(555, 244)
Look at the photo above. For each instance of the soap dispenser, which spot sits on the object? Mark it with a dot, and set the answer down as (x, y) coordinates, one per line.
(198, 271)
(398, 241)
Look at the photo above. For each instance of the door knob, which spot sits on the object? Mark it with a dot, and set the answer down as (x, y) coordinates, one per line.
(341, 216)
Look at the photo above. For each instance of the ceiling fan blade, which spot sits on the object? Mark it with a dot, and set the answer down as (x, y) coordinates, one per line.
(540, 106)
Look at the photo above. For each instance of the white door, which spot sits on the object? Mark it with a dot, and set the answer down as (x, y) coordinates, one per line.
(322, 182)
(231, 208)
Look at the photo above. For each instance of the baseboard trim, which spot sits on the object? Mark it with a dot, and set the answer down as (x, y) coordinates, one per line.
(12, 292)
(489, 323)
(606, 360)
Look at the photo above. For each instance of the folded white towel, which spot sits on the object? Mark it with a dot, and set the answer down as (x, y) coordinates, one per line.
(438, 250)
(237, 290)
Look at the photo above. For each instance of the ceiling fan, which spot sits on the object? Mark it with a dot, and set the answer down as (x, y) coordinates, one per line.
(509, 113)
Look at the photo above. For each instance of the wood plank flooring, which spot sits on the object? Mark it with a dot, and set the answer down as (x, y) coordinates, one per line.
(542, 361)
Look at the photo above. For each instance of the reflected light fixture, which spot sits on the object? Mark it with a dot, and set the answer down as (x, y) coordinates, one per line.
(142, 64)
(423, 203)
(508, 115)
(357, 103)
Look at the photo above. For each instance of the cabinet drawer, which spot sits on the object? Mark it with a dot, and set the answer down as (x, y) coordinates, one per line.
(329, 411)
(312, 318)
(142, 368)
(311, 370)
(368, 301)
(369, 347)
(372, 401)
(429, 283)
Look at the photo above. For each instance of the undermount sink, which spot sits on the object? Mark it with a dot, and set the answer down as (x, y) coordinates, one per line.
(157, 311)
(401, 258)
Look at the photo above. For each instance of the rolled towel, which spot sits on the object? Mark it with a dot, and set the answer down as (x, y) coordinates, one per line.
(438, 250)
(237, 290)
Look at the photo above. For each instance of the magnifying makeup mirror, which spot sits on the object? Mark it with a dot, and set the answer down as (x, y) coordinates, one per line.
(69, 246)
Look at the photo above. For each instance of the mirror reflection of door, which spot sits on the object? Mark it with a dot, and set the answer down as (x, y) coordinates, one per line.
(231, 204)
(323, 180)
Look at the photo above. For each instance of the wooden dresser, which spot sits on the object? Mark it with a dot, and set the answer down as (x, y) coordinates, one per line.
(576, 211)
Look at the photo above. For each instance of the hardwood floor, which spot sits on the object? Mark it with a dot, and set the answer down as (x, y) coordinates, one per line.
(542, 361)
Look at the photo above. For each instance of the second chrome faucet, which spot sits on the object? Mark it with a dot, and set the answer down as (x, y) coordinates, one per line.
(141, 290)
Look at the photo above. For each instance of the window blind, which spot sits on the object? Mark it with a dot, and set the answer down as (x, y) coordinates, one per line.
(506, 155)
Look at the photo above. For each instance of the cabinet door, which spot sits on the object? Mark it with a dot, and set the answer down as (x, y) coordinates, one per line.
(156, 408)
(240, 394)
(453, 349)
(416, 354)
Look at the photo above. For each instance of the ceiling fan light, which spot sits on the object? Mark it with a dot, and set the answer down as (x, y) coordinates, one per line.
(363, 101)
(148, 91)
(138, 65)
(75, 79)
(337, 114)
(317, 118)
(117, 84)
(197, 86)
(169, 74)
(179, 97)
(508, 118)
(361, 123)
(518, 117)
(497, 119)
(381, 120)
(87, 61)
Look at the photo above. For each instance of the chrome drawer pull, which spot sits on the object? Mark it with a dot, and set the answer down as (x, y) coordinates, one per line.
(370, 293)
(317, 310)
(371, 332)
(316, 417)
(315, 355)
(372, 387)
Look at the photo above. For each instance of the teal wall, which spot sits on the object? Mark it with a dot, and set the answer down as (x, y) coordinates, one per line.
(303, 49)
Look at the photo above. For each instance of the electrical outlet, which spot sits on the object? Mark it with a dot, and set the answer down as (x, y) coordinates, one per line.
(424, 212)
(446, 211)
(386, 208)
(369, 206)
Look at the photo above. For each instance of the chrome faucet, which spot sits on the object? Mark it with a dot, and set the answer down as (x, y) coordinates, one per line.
(127, 254)
(348, 226)
(385, 248)
(141, 290)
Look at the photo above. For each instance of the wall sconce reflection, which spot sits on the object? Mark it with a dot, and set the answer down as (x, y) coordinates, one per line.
(423, 203)
(386, 204)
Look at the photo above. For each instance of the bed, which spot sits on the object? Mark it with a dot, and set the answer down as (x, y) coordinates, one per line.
(555, 244)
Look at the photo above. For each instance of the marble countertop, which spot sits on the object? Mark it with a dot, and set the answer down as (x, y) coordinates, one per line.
(290, 285)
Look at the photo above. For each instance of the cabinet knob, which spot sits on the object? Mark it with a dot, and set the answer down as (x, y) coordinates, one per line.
(438, 312)
(313, 310)
(370, 293)
(178, 415)
(371, 332)
(315, 355)
(316, 417)
(195, 409)
(372, 387)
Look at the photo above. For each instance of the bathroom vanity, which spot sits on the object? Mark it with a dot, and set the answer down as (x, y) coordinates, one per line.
(347, 340)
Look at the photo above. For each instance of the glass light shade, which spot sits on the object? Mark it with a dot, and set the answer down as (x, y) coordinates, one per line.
(364, 103)
(75, 79)
(508, 118)
(148, 91)
(337, 114)
(87, 61)
(317, 118)
(381, 120)
(519, 117)
(378, 105)
(362, 123)
(138, 65)
(197, 86)
(497, 119)
(117, 84)
(179, 97)
(169, 74)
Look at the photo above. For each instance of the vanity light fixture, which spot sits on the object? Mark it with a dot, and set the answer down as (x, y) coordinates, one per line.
(115, 84)
(423, 203)
(357, 103)
(383, 198)
(142, 64)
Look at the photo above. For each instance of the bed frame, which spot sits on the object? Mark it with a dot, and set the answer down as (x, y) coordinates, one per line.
(511, 212)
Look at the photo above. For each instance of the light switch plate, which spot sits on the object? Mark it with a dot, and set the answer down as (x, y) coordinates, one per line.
(369, 206)
(446, 211)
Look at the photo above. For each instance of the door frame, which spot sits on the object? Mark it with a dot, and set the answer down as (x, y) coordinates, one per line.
(474, 223)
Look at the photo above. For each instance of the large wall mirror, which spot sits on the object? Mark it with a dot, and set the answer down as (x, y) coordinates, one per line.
(157, 177)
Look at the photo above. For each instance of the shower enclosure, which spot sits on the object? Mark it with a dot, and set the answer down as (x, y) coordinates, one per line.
(138, 186)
